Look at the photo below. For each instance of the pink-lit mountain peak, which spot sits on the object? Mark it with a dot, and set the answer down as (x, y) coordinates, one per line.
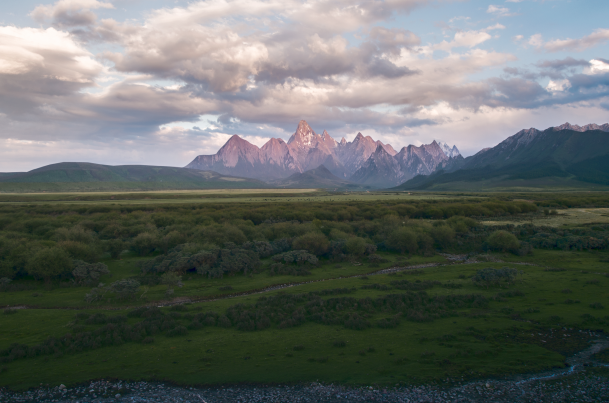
(364, 159)
(304, 136)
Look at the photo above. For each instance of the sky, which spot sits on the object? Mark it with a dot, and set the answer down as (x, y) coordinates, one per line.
(158, 82)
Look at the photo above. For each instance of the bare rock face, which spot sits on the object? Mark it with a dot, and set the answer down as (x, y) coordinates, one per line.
(362, 160)
(585, 128)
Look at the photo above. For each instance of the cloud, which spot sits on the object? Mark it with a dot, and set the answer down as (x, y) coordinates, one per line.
(464, 39)
(255, 68)
(577, 45)
(597, 66)
(69, 13)
(562, 64)
(498, 10)
(39, 65)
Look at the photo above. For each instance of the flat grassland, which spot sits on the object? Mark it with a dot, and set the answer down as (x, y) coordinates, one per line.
(218, 195)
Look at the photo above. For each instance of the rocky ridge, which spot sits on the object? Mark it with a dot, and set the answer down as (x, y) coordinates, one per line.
(364, 160)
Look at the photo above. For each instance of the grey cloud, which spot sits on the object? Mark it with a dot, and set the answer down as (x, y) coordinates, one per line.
(394, 39)
(562, 64)
(69, 13)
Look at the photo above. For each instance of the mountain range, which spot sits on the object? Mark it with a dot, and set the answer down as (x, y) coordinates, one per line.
(362, 161)
(571, 152)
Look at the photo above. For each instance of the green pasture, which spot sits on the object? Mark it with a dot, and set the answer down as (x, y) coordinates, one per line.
(514, 334)
(195, 287)
(215, 196)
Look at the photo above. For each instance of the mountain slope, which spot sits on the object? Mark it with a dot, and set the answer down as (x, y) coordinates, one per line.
(572, 152)
(319, 177)
(125, 176)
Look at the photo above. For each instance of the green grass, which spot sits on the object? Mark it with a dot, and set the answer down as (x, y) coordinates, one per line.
(195, 287)
(218, 195)
(500, 344)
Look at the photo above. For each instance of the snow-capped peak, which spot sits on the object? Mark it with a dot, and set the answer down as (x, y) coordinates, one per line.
(449, 151)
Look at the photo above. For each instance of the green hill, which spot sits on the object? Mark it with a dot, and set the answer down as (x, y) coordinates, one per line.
(83, 176)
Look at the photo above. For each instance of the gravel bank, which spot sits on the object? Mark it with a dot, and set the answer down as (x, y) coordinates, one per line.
(577, 387)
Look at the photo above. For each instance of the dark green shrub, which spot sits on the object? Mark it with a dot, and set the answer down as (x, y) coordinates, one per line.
(124, 289)
(177, 331)
(403, 240)
(88, 273)
(49, 263)
(145, 243)
(494, 277)
(355, 246)
(313, 242)
(115, 247)
(503, 241)
(81, 251)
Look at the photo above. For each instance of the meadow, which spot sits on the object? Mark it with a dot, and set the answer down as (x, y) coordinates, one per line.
(394, 289)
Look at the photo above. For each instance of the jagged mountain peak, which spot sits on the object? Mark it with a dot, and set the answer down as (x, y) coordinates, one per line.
(327, 139)
(377, 164)
(304, 135)
(577, 128)
(235, 141)
(449, 151)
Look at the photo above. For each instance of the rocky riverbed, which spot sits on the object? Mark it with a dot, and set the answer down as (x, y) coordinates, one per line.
(579, 387)
(585, 380)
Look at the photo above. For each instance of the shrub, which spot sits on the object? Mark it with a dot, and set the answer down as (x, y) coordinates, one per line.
(314, 242)
(339, 343)
(49, 263)
(115, 247)
(355, 246)
(597, 305)
(144, 244)
(88, 273)
(124, 289)
(177, 331)
(403, 240)
(494, 277)
(443, 235)
(298, 257)
(503, 241)
(171, 240)
(224, 321)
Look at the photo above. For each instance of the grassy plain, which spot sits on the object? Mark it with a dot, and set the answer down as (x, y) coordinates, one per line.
(565, 217)
(215, 196)
(512, 335)
(529, 326)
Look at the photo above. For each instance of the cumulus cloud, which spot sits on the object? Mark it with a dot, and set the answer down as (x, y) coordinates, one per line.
(256, 67)
(38, 65)
(69, 13)
(464, 39)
